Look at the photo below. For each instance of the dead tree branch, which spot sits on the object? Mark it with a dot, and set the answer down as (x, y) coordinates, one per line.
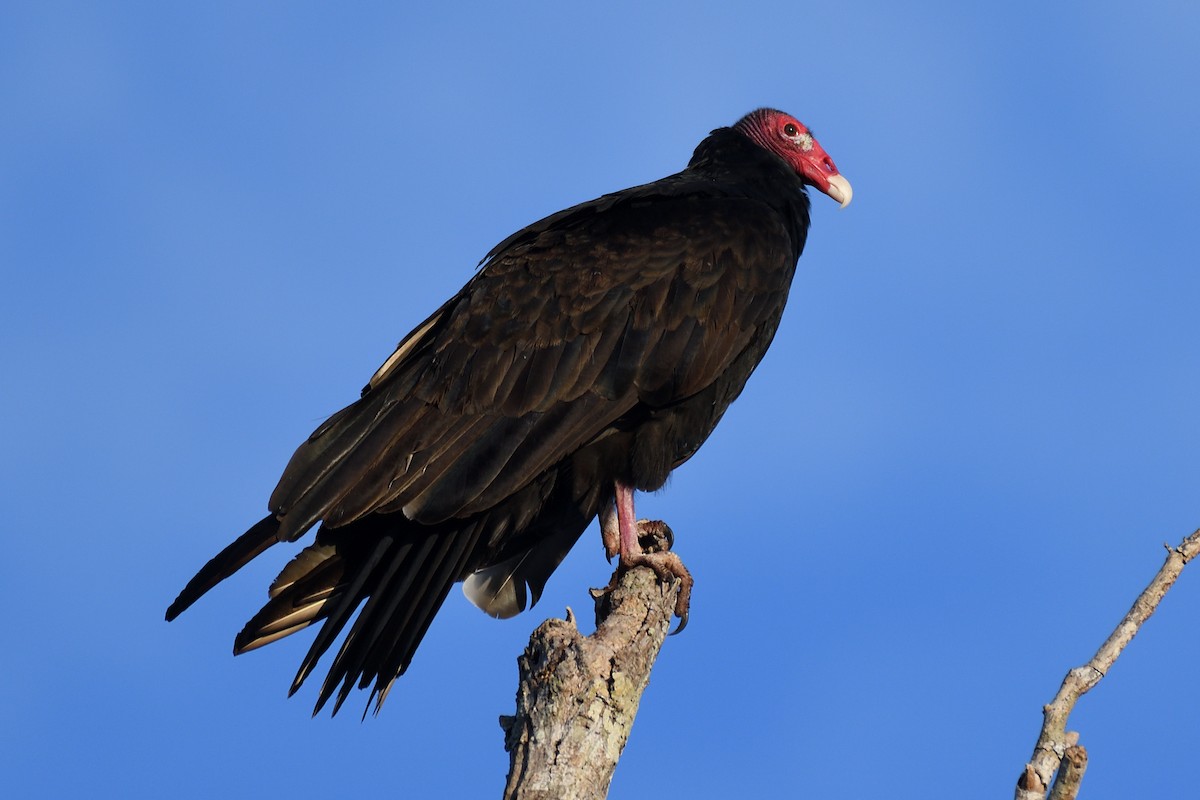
(578, 694)
(1057, 749)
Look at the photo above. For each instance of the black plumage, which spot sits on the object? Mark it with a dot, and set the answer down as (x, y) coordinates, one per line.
(592, 353)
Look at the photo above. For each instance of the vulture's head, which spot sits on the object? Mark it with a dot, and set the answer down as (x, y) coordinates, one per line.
(789, 138)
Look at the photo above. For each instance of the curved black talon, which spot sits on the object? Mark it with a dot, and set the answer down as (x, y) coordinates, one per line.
(683, 621)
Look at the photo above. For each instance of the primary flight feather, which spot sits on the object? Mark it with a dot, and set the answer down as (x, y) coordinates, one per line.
(593, 352)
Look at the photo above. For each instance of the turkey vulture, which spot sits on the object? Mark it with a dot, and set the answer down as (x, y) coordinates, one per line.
(591, 354)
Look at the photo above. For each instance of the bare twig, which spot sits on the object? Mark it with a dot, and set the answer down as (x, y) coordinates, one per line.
(578, 695)
(1057, 750)
(1070, 774)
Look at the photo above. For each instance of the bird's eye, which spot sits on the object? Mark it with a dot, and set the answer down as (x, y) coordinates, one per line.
(790, 129)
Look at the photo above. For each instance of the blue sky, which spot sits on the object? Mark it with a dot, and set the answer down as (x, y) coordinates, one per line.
(946, 483)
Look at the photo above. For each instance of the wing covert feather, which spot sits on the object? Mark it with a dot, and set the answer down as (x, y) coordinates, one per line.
(541, 352)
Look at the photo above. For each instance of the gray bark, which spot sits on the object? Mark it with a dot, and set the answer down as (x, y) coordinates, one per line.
(578, 694)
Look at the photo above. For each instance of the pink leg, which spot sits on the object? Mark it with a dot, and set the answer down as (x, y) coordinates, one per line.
(621, 536)
(627, 521)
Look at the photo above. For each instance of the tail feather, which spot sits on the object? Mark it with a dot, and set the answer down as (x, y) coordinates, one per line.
(405, 645)
(382, 578)
(346, 655)
(379, 659)
(388, 574)
(409, 593)
(299, 597)
(244, 549)
(308, 563)
(350, 598)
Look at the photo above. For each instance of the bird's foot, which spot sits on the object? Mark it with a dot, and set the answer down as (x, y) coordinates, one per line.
(611, 537)
(669, 568)
(610, 531)
(655, 538)
(653, 534)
